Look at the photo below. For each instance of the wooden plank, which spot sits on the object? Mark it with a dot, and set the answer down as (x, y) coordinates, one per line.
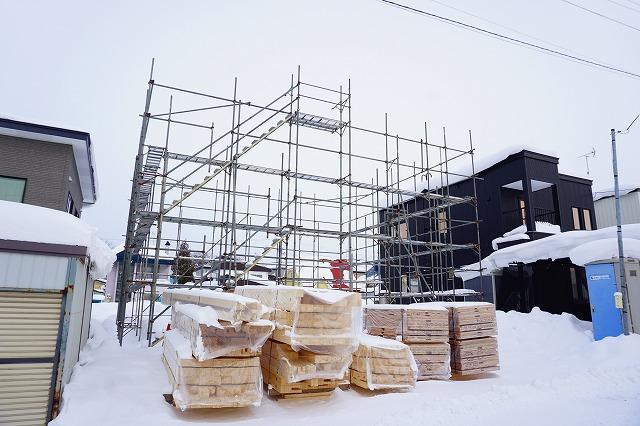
(476, 362)
(463, 335)
(360, 364)
(382, 380)
(228, 306)
(429, 348)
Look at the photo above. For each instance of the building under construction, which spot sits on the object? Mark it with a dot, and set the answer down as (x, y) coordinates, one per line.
(287, 191)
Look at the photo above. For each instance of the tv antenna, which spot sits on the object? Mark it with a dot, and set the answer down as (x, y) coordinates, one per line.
(590, 154)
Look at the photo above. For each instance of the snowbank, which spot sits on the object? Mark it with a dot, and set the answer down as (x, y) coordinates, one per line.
(553, 247)
(24, 222)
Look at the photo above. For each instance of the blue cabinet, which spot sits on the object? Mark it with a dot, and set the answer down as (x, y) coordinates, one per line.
(606, 318)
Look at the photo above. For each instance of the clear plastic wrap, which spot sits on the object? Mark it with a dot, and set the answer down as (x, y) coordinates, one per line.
(215, 383)
(323, 321)
(210, 338)
(228, 306)
(381, 363)
(292, 367)
(383, 319)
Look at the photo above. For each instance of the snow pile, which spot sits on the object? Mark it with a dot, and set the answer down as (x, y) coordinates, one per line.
(553, 247)
(604, 249)
(24, 222)
(547, 361)
(202, 314)
(519, 233)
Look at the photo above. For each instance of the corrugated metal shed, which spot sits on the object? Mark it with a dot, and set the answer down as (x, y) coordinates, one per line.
(629, 208)
(45, 308)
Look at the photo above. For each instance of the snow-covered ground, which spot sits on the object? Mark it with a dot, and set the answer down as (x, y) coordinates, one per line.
(552, 373)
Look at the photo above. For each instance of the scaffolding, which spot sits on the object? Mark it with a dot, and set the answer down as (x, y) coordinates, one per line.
(292, 186)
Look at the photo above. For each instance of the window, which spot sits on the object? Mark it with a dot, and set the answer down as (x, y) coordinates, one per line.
(586, 214)
(576, 217)
(442, 222)
(12, 189)
(403, 230)
(523, 215)
(69, 203)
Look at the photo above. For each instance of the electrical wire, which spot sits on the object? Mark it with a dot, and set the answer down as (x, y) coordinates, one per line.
(441, 3)
(624, 5)
(511, 39)
(608, 18)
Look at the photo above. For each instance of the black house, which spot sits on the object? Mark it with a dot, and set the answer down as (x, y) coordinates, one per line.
(521, 188)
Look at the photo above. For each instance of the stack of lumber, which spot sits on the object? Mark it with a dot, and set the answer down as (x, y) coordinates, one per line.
(291, 374)
(383, 320)
(216, 383)
(381, 363)
(473, 331)
(316, 331)
(425, 328)
(228, 306)
(212, 356)
(318, 320)
(210, 338)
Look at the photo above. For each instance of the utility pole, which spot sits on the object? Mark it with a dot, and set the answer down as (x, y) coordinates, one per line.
(621, 265)
(616, 186)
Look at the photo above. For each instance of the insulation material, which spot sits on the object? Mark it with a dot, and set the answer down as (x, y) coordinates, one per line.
(289, 366)
(228, 306)
(381, 363)
(210, 338)
(215, 383)
(324, 321)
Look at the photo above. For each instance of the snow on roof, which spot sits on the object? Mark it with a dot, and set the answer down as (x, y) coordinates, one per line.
(553, 247)
(610, 192)
(24, 222)
(463, 173)
(604, 249)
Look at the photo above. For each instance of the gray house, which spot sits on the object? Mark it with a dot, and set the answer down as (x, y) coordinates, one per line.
(46, 166)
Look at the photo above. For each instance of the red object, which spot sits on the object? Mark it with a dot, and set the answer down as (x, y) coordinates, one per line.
(168, 327)
(338, 266)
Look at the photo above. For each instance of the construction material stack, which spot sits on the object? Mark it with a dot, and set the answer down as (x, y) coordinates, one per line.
(473, 337)
(381, 363)
(383, 320)
(212, 354)
(424, 327)
(316, 332)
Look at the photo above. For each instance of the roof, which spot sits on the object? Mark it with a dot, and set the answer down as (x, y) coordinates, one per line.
(79, 141)
(610, 192)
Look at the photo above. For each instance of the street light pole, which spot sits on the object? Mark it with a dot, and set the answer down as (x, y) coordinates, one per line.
(621, 265)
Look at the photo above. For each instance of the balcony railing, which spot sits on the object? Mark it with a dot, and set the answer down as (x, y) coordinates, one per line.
(511, 219)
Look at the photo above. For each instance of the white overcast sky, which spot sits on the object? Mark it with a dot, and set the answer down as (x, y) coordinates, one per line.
(84, 65)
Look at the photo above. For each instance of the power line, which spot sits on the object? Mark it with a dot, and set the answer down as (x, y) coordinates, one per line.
(624, 5)
(601, 15)
(509, 28)
(511, 39)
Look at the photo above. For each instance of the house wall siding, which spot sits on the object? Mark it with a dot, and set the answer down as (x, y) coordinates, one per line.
(46, 167)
